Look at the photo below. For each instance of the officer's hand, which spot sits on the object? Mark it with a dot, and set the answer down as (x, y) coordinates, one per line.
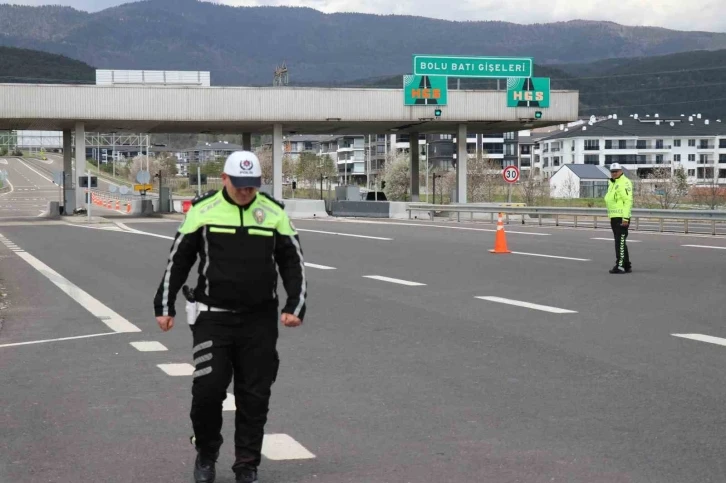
(625, 223)
(289, 320)
(165, 322)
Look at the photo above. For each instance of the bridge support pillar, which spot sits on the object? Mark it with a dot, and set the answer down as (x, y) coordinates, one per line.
(80, 164)
(461, 158)
(415, 150)
(69, 184)
(247, 141)
(277, 161)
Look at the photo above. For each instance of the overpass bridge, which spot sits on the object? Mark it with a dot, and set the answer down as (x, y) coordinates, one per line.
(276, 110)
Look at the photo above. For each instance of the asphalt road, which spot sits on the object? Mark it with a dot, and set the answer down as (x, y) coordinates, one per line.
(401, 373)
(43, 172)
(31, 189)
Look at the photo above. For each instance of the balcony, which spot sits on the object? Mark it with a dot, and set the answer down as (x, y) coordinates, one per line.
(709, 146)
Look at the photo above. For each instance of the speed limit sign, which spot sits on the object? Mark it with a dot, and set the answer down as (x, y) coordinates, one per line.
(511, 174)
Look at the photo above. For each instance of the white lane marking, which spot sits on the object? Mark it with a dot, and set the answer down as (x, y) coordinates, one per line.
(35, 171)
(552, 256)
(613, 240)
(320, 267)
(228, 404)
(57, 340)
(394, 280)
(704, 246)
(12, 188)
(703, 338)
(345, 234)
(149, 346)
(113, 320)
(283, 447)
(177, 369)
(394, 223)
(519, 303)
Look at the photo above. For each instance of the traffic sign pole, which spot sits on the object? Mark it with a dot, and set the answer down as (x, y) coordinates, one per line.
(511, 176)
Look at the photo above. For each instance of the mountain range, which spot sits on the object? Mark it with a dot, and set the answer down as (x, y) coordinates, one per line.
(242, 45)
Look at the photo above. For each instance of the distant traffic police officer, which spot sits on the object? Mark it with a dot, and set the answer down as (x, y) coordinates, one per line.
(239, 235)
(619, 202)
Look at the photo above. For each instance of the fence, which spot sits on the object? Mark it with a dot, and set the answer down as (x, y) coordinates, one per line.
(640, 218)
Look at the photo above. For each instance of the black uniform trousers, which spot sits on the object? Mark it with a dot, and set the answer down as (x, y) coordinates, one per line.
(622, 259)
(242, 346)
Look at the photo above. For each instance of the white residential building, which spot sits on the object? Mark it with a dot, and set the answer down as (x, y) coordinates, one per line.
(698, 146)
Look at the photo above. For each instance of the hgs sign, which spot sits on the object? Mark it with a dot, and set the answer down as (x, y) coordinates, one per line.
(531, 92)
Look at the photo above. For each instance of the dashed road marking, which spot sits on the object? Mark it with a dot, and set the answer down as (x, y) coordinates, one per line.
(280, 447)
(319, 267)
(394, 280)
(702, 338)
(705, 246)
(228, 404)
(552, 256)
(613, 240)
(345, 234)
(177, 369)
(149, 346)
(519, 303)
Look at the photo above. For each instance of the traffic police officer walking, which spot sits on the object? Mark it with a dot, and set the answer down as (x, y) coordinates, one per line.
(619, 202)
(239, 235)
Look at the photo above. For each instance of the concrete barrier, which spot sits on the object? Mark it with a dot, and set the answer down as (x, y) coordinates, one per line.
(305, 208)
(361, 209)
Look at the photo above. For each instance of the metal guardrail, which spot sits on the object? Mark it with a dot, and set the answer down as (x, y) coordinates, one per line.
(637, 214)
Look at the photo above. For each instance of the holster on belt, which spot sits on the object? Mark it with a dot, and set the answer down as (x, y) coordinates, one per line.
(192, 308)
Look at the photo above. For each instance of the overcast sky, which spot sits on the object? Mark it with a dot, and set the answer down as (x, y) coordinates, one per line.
(676, 14)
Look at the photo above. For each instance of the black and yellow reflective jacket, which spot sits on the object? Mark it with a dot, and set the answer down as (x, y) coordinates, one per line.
(238, 248)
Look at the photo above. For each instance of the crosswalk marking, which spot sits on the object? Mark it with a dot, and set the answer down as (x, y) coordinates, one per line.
(703, 338)
(280, 447)
(519, 303)
(228, 404)
(148, 346)
(177, 369)
(394, 280)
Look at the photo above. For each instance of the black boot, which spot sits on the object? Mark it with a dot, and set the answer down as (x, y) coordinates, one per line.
(247, 475)
(204, 468)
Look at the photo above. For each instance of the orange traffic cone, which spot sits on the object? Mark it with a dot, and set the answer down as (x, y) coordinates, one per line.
(500, 242)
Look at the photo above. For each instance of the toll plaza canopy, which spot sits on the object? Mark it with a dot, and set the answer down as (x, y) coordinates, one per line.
(168, 109)
(276, 110)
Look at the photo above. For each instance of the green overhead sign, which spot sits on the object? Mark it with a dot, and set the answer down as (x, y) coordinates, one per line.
(532, 92)
(423, 90)
(461, 66)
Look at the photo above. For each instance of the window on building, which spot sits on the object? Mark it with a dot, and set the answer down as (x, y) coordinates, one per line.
(703, 144)
(722, 173)
(722, 158)
(608, 144)
(677, 158)
(526, 149)
(691, 172)
(556, 161)
(592, 144)
(622, 144)
(658, 144)
(640, 144)
(691, 157)
(658, 159)
(692, 143)
(677, 143)
(592, 159)
(525, 162)
(722, 143)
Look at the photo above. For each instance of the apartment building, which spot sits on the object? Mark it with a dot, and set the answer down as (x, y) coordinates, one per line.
(642, 144)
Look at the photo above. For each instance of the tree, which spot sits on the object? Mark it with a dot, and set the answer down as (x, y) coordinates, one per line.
(484, 179)
(666, 190)
(397, 175)
(532, 190)
(711, 194)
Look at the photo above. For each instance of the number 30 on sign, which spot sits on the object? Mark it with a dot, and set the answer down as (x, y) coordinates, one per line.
(511, 174)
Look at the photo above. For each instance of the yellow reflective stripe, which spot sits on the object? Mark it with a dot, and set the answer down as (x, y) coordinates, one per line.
(252, 231)
(213, 229)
